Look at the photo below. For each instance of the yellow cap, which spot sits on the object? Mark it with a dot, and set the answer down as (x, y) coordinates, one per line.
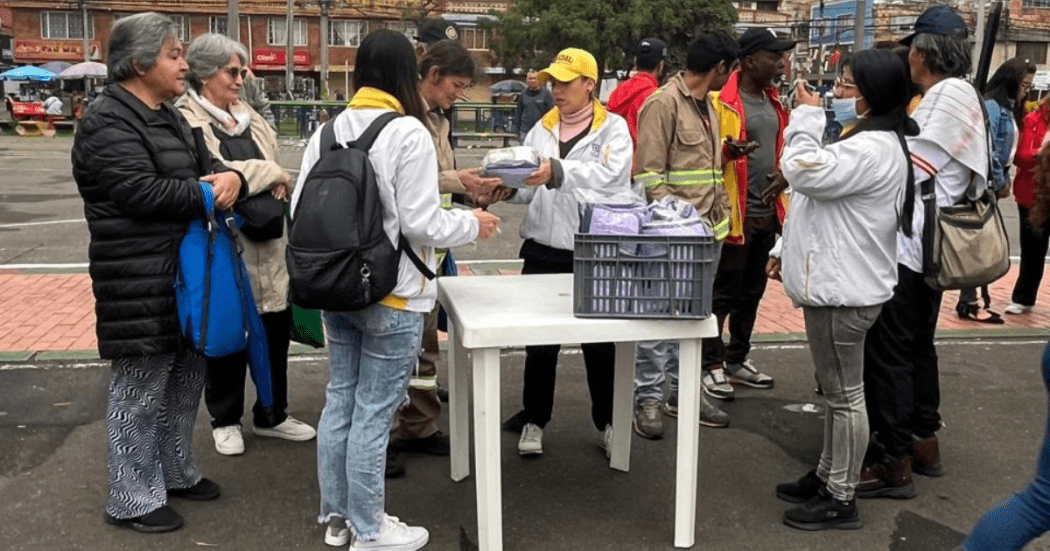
(570, 64)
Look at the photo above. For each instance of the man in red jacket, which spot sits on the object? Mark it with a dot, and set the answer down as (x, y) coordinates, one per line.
(627, 99)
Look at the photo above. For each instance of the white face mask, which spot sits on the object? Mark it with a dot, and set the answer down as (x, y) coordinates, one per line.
(845, 110)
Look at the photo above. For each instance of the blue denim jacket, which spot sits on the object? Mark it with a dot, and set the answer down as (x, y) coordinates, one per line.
(1001, 127)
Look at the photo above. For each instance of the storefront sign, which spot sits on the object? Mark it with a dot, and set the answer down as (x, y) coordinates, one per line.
(1041, 80)
(66, 50)
(275, 59)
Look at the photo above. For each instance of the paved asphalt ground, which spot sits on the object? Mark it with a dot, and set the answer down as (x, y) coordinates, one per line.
(52, 470)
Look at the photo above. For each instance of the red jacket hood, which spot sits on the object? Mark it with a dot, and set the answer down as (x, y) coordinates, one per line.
(624, 94)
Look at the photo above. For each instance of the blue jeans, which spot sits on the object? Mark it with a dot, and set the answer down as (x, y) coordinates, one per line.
(371, 355)
(656, 360)
(1013, 523)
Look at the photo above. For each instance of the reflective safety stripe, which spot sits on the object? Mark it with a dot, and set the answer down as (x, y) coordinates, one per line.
(420, 382)
(649, 179)
(446, 200)
(721, 229)
(702, 177)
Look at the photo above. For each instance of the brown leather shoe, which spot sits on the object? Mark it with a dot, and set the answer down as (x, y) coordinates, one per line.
(890, 478)
(927, 456)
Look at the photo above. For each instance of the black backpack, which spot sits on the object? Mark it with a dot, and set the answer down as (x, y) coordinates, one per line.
(339, 258)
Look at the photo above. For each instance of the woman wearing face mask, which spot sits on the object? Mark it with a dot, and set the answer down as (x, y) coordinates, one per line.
(242, 139)
(838, 261)
(585, 147)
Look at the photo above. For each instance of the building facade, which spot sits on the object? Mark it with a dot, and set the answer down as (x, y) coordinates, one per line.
(54, 30)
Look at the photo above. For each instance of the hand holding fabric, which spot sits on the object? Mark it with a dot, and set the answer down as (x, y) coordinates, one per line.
(543, 175)
(227, 186)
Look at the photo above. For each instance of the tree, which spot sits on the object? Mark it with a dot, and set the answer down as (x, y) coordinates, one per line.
(533, 31)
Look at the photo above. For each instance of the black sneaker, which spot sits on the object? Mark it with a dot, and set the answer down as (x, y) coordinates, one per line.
(802, 490)
(164, 519)
(823, 512)
(395, 466)
(205, 490)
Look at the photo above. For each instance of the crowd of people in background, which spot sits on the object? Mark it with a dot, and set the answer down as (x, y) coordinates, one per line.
(839, 221)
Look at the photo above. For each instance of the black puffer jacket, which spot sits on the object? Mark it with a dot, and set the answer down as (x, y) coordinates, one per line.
(137, 171)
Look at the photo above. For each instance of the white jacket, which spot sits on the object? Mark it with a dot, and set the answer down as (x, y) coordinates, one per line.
(600, 161)
(839, 246)
(405, 163)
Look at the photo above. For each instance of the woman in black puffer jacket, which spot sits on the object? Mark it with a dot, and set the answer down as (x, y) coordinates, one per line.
(135, 165)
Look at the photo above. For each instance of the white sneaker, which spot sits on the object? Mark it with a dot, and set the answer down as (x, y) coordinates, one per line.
(228, 440)
(531, 442)
(337, 534)
(395, 535)
(290, 429)
(1015, 308)
(605, 440)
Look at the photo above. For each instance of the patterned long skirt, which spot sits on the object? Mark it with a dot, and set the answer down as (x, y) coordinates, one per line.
(149, 430)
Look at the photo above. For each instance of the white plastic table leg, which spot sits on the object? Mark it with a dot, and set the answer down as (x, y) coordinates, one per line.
(458, 400)
(688, 436)
(623, 405)
(486, 448)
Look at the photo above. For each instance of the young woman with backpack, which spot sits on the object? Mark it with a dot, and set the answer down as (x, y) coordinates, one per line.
(372, 351)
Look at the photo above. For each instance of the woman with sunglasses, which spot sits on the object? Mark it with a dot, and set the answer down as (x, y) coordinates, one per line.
(243, 140)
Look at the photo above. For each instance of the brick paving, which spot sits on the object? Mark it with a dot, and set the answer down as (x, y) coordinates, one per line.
(55, 312)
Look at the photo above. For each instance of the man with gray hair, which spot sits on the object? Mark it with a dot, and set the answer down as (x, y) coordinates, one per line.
(901, 382)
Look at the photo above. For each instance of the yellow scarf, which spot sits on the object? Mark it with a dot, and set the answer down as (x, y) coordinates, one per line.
(374, 98)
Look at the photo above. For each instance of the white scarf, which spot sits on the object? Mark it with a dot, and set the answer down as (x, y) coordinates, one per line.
(232, 124)
(950, 115)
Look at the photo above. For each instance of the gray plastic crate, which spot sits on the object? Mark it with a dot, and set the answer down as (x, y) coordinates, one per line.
(640, 276)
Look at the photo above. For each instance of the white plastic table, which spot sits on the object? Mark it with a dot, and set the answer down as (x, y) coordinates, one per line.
(487, 313)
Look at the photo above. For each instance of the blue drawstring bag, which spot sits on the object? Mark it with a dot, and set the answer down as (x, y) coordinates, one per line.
(209, 286)
(213, 295)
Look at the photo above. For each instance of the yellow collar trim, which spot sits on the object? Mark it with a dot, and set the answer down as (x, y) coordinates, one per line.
(374, 98)
(550, 120)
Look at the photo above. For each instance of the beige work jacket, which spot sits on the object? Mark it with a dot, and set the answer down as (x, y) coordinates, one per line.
(679, 152)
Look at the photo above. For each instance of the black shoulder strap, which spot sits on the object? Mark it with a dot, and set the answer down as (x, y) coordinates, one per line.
(407, 249)
(364, 141)
(987, 131)
(909, 199)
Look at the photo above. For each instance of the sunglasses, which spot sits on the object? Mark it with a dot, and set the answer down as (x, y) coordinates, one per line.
(234, 72)
(841, 83)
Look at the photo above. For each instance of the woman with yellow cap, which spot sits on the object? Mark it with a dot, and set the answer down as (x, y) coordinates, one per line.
(584, 147)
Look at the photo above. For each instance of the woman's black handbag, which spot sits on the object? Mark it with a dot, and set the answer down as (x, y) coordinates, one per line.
(263, 217)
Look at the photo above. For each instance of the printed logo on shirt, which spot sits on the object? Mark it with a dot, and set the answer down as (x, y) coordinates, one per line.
(596, 149)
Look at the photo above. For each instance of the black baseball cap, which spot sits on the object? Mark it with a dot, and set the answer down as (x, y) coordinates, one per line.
(651, 51)
(433, 30)
(940, 20)
(757, 39)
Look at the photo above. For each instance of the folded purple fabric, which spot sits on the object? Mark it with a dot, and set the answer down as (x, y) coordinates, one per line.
(616, 219)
